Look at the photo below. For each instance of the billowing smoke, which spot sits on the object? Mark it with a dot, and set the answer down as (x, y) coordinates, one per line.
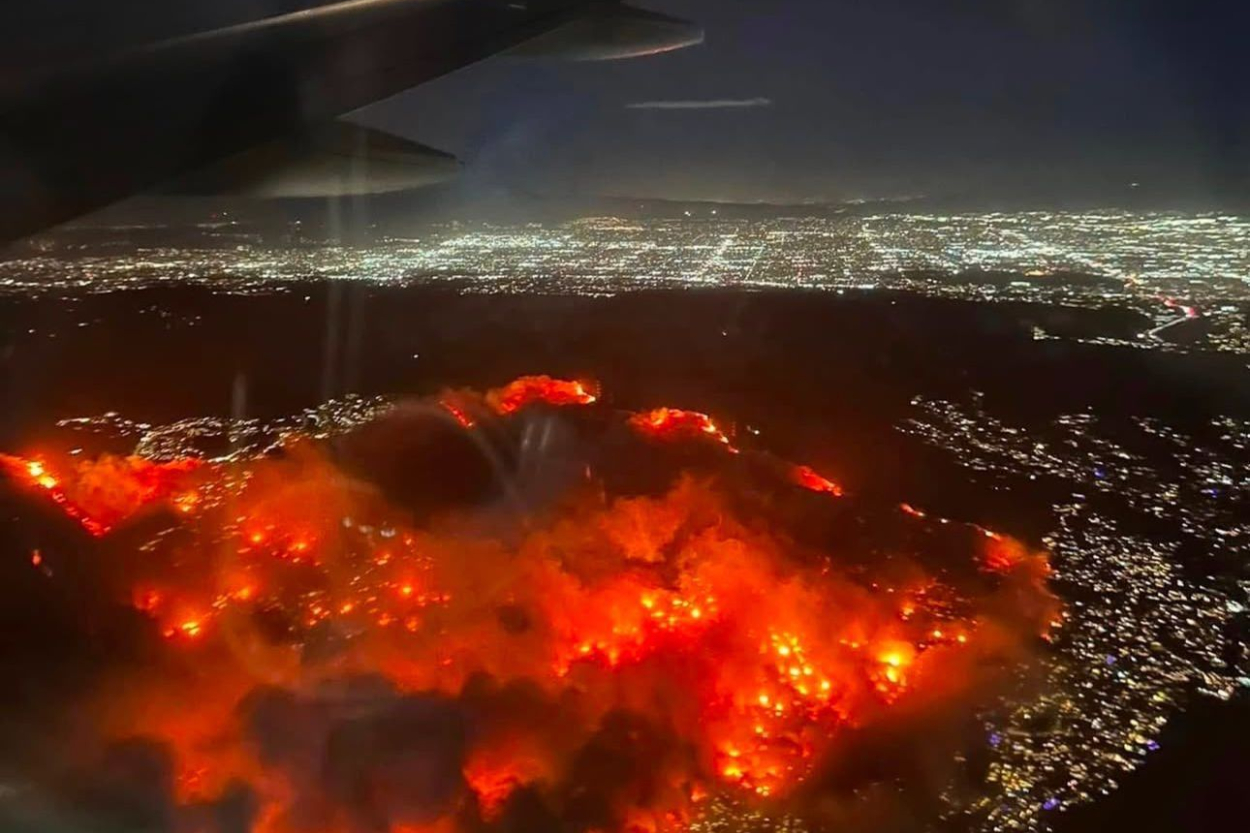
(528, 611)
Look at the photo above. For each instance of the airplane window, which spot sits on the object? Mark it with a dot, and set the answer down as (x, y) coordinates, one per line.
(639, 416)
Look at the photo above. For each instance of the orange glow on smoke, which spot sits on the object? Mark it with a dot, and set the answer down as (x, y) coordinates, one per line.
(807, 477)
(754, 654)
(530, 389)
(495, 772)
(102, 493)
(1003, 554)
(676, 424)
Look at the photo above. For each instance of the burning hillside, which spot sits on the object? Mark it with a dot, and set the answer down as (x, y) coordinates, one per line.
(669, 625)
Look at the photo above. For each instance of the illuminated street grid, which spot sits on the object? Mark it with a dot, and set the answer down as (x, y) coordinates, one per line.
(1171, 267)
(1141, 631)
(228, 439)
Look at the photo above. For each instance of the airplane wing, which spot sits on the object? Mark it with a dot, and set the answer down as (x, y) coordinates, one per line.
(82, 136)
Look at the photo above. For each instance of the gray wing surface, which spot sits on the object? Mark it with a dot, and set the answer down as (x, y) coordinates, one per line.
(82, 136)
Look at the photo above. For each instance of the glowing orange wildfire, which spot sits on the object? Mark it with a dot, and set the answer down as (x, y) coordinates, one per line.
(457, 413)
(807, 477)
(530, 389)
(101, 493)
(676, 424)
(752, 654)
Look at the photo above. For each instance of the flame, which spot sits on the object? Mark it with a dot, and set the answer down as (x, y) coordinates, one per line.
(753, 654)
(1004, 555)
(530, 389)
(457, 413)
(677, 424)
(495, 772)
(102, 493)
(807, 477)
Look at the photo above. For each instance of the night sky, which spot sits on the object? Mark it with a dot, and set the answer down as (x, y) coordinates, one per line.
(1017, 100)
(1029, 102)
